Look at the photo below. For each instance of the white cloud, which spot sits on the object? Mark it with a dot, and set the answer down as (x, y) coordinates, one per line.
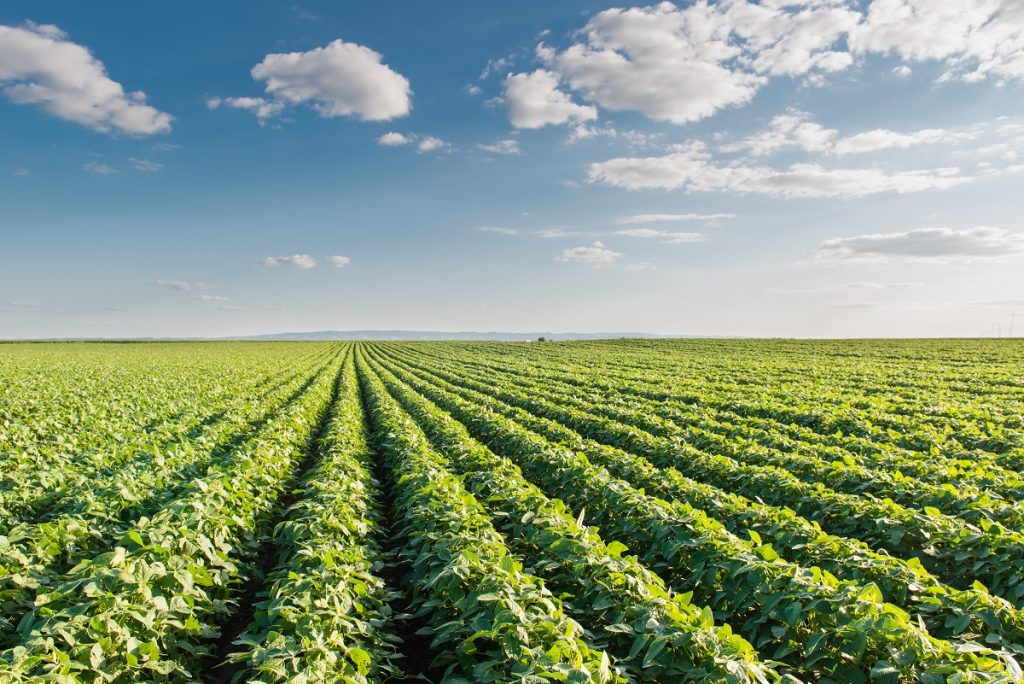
(394, 139)
(339, 79)
(974, 39)
(666, 236)
(674, 218)
(594, 255)
(506, 147)
(473, 90)
(99, 168)
(691, 168)
(582, 131)
(849, 287)
(928, 244)
(20, 172)
(430, 143)
(338, 261)
(683, 63)
(211, 298)
(792, 129)
(295, 261)
(883, 139)
(795, 129)
(498, 229)
(229, 307)
(263, 108)
(551, 233)
(187, 285)
(145, 164)
(534, 100)
(39, 66)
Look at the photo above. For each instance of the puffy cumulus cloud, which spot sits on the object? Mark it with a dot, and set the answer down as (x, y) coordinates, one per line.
(263, 108)
(294, 260)
(424, 143)
(40, 66)
(339, 79)
(691, 167)
(394, 139)
(667, 236)
(924, 244)
(974, 39)
(674, 218)
(503, 147)
(339, 261)
(671, 64)
(680, 64)
(594, 255)
(186, 285)
(430, 143)
(533, 100)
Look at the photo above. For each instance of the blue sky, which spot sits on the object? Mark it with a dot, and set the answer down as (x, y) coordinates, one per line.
(803, 168)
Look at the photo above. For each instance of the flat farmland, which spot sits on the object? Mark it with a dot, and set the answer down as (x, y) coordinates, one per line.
(605, 511)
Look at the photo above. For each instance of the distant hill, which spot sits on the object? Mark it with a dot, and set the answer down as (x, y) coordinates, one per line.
(443, 335)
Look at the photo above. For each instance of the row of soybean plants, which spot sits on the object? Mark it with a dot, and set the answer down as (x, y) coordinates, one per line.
(489, 619)
(821, 387)
(977, 481)
(150, 607)
(834, 413)
(36, 553)
(961, 553)
(838, 471)
(817, 625)
(967, 614)
(470, 517)
(72, 428)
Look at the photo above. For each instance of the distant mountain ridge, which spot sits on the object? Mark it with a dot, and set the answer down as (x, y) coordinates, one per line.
(443, 335)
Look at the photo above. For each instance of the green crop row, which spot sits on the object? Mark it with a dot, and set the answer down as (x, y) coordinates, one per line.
(818, 625)
(656, 636)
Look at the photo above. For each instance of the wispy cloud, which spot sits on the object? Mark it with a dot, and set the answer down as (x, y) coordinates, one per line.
(145, 165)
(338, 261)
(672, 218)
(504, 147)
(690, 167)
(924, 244)
(848, 287)
(498, 229)
(186, 285)
(666, 236)
(99, 168)
(294, 260)
(551, 233)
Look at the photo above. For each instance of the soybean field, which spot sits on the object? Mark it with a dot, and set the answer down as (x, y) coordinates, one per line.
(741, 511)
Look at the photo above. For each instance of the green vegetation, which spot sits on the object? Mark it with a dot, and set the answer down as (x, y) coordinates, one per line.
(617, 511)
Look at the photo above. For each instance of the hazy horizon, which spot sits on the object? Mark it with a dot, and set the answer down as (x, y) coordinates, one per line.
(804, 169)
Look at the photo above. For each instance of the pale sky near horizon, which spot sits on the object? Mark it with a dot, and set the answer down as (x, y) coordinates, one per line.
(807, 168)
